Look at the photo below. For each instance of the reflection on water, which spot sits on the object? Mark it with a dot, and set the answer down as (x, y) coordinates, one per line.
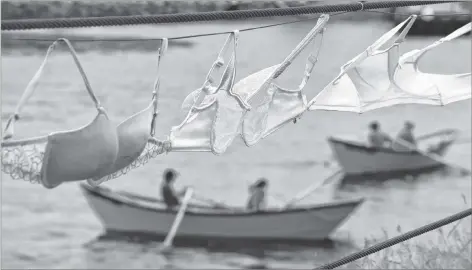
(57, 229)
(237, 258)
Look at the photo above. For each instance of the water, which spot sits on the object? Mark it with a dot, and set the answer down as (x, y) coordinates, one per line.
(57, 229)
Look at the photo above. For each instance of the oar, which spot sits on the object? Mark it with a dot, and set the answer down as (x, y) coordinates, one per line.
(303, 194)
(432, 156)
(437, 133)
(456, 140)
(178, 219)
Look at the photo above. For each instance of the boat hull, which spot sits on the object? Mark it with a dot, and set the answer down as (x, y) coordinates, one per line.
(122, 216)
(358, 160)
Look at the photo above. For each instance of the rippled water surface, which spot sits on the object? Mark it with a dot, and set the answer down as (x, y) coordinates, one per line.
(57, 229)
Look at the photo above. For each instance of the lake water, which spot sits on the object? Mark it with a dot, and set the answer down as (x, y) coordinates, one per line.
(57, 229)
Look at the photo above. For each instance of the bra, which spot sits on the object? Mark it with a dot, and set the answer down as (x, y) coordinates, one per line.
(279, 106)
(438, 89)
(218, 114)
(366, 82)
(136, 141)
(68, 156)
(214, 112)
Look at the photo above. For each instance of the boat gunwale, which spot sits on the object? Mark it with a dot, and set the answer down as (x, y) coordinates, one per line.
(213, 212)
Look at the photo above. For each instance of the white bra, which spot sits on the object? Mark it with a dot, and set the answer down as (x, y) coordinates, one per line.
(279, 106)
(381, 78)
(136, 141)
(214, 112)
(366, 82)
(63, 156)
(437, 89)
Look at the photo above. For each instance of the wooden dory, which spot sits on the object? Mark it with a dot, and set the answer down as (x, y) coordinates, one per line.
(128, 214)
(358, 159)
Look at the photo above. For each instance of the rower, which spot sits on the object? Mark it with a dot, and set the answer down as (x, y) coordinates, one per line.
(170, 197)
(405, 136)
(377, 138)
(257, 195)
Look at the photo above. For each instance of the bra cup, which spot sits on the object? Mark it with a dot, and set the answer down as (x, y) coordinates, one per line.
(256, 90)
(228, 121)
(190, 100)
(255, 120)
(284, 107)
(196, 133)
(133, 135)
(250, 85)
(370, 78)
(80, 154)
(413, 82)
(278, 108)
(441, 88)
(371, 83)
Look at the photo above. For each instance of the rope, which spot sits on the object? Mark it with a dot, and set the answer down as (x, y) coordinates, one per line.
(26, 24)
(225, 32)
(420, 15)
(181, 37)
(396, 240)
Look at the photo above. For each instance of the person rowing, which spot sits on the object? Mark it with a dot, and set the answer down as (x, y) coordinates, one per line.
(257, 195)
(377, 138)
(169, 195)
(405, 140)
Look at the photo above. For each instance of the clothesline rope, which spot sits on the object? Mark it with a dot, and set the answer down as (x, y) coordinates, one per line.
(27, 24)
(181, 37)
(221, 33)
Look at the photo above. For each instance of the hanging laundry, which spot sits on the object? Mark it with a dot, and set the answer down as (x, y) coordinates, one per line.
(136, 141)
(366, 82)
(214, 112)
(196, 97)
(437, 89)
(277, 106)
(63, 156)
(218, 114)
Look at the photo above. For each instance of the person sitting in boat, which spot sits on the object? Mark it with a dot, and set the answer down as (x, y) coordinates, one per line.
(257, 198)
(170, 197)
(377, 138)
(405, 140)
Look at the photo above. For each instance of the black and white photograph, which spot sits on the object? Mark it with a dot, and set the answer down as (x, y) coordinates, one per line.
(216, 134)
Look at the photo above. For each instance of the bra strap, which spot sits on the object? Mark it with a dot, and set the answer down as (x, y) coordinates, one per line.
(82, 72)
(390, 34)
(380, 42)
(457, 33)
(229, 76)
(155, 93)
(319, 27)
(9, 129)
(220, 59)
(311, 61)
(415, 55)
(230, 69)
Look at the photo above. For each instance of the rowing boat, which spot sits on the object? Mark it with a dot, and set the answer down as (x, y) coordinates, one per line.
(359, 160)
(135, 215)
